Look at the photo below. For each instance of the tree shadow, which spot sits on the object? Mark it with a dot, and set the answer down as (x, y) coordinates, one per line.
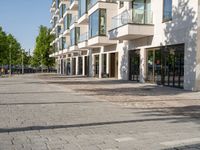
(138, 90)
(84, 125)
(192, 113)
(183, 29)
(185, 147)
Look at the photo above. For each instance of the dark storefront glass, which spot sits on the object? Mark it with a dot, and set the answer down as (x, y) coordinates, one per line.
(166, 65)
(134, 65)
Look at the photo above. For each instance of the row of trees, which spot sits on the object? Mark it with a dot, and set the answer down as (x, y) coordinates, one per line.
(11, 51)
(43, 49)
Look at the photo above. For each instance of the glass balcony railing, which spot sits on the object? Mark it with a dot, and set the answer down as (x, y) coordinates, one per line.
(83, 37)
(73, 20)
(71, 1)
(134, 16)
(93, 2)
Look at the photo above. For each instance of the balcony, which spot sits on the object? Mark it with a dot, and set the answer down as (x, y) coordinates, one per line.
(83, 41)
(73, 22)
(132, 24)
(99, 41)
(96, 4)
(83, 19)
(74, 48)
(73, 5)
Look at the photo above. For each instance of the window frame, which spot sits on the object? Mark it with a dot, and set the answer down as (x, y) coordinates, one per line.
(99, 23)
(164, 18)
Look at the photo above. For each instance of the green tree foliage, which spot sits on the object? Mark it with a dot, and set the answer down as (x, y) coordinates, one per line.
(10, 47)
(43, 49)
(3, 47)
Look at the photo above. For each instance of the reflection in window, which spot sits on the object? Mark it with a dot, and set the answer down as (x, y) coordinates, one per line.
(167, 10)
(74, 36)
(83, 7)
(97, 23)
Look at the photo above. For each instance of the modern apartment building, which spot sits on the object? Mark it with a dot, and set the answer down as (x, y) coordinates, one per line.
(153, 41)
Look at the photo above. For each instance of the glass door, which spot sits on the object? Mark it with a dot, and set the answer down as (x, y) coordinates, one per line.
(134, 65)
(165, 65)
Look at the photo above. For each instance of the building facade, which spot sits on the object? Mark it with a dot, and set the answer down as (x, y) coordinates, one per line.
(153, 41)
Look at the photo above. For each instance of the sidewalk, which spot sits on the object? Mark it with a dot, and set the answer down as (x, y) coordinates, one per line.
(127, 93)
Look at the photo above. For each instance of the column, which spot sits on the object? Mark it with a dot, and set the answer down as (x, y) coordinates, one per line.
(93, 65)
(77, 66)
(143, 60)
(83, 59)
(71, 66)
(100, 65)
(108, 63)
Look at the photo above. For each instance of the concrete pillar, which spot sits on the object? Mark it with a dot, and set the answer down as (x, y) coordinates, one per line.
(93, 67)
(60, 66)
(123, 67)
(77, 65)
(83, 59)
(100, 65)
(90, 63)
(71, 66)
(143, 61)
(108, 63)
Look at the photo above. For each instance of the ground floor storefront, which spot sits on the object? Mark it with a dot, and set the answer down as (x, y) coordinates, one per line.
(162, 65)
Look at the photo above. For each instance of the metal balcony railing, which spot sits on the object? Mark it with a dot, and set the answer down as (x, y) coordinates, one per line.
(134, 16)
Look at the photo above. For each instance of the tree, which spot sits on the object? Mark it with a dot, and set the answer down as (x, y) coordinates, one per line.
(43, 49)
(3, 47)
(15, 49)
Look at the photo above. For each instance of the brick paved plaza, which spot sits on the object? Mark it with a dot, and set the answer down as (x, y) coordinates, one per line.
(50, 112)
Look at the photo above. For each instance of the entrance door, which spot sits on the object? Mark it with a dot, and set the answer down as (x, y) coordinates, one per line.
(74, 66)
(114, 65)
(134, 65)
(80, 65)
(96, 66)
(61, 66)
(174, 68)
(166, 66)
(68, 68)
(86, 65)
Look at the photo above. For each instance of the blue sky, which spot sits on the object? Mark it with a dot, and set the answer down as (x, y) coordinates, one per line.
(22, 18)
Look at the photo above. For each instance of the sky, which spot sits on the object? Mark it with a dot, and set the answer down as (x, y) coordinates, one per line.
(22, 19)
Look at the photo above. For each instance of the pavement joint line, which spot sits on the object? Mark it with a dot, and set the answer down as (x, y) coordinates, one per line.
(124, 139)
(181, 142)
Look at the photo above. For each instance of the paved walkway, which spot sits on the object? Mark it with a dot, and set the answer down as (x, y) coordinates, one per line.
(37, 114)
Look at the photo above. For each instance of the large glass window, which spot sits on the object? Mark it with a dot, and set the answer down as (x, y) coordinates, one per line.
(67, 20)
(97, 23)
(167, 10)
(62, 10)
(74, 36)
(165, 65)
(57, 3)
(83, 7)
(142, 11)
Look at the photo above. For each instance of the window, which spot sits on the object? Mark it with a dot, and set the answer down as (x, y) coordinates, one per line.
(67, 20)
(121, 4)
(97, 23)
(83, 7)
(74, 36)
(167, 10)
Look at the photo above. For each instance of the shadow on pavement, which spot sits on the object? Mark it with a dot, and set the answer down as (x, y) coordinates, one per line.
(186, 147)
(50, 103)
(190, 112)
(32, 128)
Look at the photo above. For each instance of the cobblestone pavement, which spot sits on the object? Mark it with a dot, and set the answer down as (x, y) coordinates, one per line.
(50, 113)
